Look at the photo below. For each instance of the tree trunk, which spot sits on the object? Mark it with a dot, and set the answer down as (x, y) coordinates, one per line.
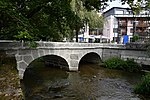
(77, 35)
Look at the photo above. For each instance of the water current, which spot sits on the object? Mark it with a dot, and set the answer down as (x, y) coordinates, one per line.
(91, 82)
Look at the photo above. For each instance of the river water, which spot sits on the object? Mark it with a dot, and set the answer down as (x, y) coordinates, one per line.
(92, 82)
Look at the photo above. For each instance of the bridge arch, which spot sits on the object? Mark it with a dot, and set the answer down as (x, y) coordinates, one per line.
(53, 60)
(90, 57)
(50, 61)
(26, 56)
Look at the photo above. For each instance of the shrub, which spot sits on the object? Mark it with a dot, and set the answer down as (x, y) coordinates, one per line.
(32, 44)
(114, 63)
(144, 86)
(132, 66)
(135, 38)
(117, 63)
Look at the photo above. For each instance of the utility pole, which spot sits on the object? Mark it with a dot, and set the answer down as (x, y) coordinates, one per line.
(134, 23)
(77, 35)
(119, 30)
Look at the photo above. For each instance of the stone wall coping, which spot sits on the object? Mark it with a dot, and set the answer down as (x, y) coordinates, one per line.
(6, 45)
(15, 45)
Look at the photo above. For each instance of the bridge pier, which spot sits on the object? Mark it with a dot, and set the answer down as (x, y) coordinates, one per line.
(22, 62)
(73, 65)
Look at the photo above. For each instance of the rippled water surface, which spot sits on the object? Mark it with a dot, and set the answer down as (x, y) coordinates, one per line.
(92, 82)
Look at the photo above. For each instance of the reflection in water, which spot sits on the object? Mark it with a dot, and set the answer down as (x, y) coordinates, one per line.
(90, 83)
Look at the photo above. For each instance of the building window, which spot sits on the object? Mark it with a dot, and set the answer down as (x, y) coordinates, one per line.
(129, 12)
(131, 30)
(119, 12)
(131, 21)
(115, 30)
(126, 12)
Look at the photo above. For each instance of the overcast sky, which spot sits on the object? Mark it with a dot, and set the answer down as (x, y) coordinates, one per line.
(116, 3)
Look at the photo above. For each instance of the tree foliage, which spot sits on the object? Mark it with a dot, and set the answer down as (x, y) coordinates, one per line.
(91, 17)
(48, 19)
(94, 20)
(42, 19)
(94, 4)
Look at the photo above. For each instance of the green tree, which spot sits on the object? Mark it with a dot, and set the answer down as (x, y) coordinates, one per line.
(86, 16)
(43, 19)
(76, 6)
(94, 20)
(46, 19)
(92, 17)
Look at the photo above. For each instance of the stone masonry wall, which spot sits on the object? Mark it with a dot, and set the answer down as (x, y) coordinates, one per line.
(71, 52)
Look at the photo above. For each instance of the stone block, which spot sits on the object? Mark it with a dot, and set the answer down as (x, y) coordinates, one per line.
(14, 44)
(18, 58)
(41, 53)
(73, 63)
(74, 56)
(22, 65)
(137, 53)
(51, 52)
(49, 45)
(35, 54)
(46, 52)
(24, 52)
(146, 62)
(21, 74)
(11, 52)
(73, 68)
(41, 44)
(28, 59)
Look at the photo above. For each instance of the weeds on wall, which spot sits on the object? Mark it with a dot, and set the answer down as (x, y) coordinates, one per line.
(26, 39)
(135, 38)
(31, 44)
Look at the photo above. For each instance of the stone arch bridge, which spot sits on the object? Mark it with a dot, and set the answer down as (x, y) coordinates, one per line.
(71, 53)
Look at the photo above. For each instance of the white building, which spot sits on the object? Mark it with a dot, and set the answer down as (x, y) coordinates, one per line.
(120, 25)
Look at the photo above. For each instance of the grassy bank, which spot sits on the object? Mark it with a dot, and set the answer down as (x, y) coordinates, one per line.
(129, 65)
(144, 87)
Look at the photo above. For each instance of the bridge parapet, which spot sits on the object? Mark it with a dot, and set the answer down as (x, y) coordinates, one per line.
(77, 45)
(7, 45)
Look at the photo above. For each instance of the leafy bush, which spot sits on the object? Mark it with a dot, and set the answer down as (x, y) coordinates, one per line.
(135, 38)
(23, 35)
(117, 63)
(114, 63)
(31, 44)
(26, 38)
(132, 66)
(144, 86)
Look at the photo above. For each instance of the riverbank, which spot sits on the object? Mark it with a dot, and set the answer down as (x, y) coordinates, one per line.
(9, 81)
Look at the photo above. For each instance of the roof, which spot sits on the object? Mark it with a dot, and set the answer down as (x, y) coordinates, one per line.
(114, 8)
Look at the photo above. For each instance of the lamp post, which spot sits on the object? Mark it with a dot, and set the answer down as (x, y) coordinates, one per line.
(118, 31)
(134, 23)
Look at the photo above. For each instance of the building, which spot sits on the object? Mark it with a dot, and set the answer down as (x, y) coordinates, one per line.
(121, 25)
(91, 35)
